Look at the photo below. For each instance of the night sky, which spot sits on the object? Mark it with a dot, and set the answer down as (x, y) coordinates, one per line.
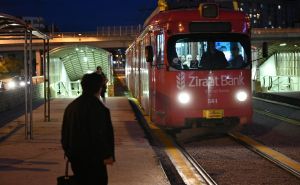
(80, 15)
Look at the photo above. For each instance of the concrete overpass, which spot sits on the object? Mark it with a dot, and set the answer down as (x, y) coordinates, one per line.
(109, 37)
(121, 37)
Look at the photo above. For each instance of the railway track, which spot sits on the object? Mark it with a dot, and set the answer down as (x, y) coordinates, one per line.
(220, 173)
(226, 154)
(275, 157)
(233, 164)
(200, 170)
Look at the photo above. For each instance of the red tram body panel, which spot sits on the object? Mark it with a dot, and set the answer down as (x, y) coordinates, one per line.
(167, 72)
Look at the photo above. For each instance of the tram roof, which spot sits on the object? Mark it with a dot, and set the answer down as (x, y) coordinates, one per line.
(191, 14)
(14, 28)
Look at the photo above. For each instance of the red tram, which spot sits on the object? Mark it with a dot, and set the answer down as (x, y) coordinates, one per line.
(178, 81)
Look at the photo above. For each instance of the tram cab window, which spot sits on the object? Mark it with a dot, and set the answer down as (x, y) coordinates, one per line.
(190, 54)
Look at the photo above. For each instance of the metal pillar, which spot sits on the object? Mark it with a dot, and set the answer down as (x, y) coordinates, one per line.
(48, 78)
(44, 73)
(46, 66)
(28, 86)
(30, 90)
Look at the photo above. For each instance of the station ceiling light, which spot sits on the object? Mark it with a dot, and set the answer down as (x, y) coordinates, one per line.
(282, 44)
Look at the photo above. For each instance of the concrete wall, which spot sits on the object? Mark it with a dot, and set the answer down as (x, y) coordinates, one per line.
(16, 97)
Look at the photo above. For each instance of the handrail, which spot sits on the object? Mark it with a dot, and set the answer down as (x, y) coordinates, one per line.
(280, 83)
(65, 88)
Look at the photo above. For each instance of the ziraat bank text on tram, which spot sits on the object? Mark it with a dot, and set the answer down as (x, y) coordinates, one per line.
(223, 80)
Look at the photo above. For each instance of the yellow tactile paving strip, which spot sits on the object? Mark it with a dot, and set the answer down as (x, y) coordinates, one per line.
(184, 168)
(268, 151)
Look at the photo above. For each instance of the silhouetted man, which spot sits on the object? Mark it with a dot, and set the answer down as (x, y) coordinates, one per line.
(87, 134)
(103, 91)
(236, 60)
(213, 58)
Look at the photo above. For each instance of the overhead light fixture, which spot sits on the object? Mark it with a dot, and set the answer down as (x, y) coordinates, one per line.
(14, 24)
(89, 71)
(282, 44)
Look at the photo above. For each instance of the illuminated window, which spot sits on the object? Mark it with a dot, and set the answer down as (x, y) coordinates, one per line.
(257, 15)
(261, 6)
(160, 48)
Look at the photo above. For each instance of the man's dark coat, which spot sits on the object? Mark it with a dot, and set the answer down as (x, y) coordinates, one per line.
(87, 132)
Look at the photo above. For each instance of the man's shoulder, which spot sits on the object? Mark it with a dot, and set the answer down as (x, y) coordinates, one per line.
(103, 107)
(73, 105)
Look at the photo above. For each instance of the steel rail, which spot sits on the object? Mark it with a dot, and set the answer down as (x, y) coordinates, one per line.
(276, 102)
(256, 149)
(279, 117)
(208, 179)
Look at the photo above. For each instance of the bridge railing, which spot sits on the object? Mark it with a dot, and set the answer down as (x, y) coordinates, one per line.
(117, 31)
(275, 30)
(278, 33)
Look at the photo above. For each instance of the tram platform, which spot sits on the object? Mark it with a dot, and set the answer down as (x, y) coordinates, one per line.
(291, 98)
(41, 161)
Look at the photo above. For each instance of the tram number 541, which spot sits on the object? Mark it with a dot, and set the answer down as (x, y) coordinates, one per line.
(212, 101)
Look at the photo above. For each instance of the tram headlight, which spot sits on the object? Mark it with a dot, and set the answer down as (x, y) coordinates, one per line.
(241, 96)
(22, 83)
(11, 84)
(183, 97)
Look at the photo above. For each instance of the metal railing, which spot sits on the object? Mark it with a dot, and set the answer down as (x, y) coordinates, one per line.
(117, 31)
(62, 90)
(75, 88)
(281, 83)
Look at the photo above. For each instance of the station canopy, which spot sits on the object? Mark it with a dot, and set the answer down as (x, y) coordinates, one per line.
(14, 28)
(81, 59)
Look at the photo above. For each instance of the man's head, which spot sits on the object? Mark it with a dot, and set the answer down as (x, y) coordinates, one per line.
(189, 58)
(235, 50)
(182, 58)
(99, 69)
(91, 83)
(211, 46)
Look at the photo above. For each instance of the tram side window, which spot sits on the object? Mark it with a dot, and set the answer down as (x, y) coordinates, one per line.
(160, 50)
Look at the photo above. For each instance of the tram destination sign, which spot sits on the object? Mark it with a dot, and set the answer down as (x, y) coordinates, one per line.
(203, 27)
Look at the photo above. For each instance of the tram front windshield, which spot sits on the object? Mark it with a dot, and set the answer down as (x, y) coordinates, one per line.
(192, 52)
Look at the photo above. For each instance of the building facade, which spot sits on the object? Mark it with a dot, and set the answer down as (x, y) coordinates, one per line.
(272, 13)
